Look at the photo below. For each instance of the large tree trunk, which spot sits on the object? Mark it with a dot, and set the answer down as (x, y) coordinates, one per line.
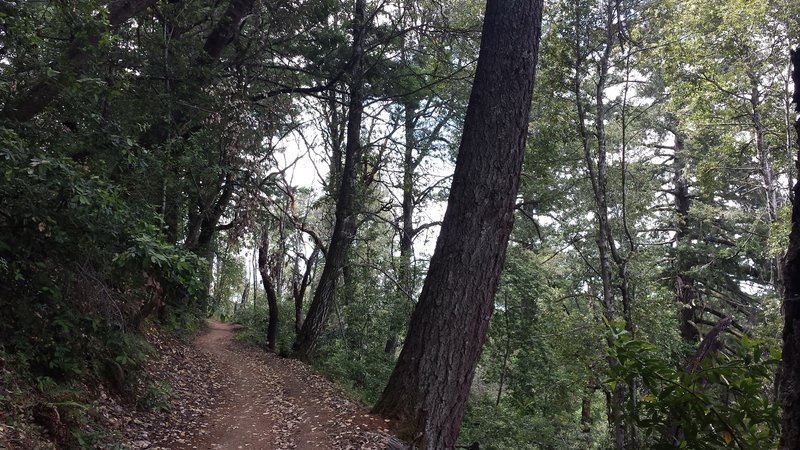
(344, 226)
(789, 378)
(335, 137)
(227, 27)
(430, 384)
(204, 230)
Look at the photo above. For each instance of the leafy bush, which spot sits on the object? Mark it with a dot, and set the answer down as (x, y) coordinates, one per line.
(725, 402)
(176, 270)
(502, 426)
(155, 397)
(72, 252)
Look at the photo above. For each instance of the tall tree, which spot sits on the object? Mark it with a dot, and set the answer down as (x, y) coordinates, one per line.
(344, 227)
(790, 370)
(429, 386)
(596, 158)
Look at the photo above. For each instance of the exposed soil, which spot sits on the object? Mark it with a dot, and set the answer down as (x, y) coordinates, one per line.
(269, 402)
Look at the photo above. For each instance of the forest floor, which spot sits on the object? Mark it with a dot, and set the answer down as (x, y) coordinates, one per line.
(269, 402)
(212, 393)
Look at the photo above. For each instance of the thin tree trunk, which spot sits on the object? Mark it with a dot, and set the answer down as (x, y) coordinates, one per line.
(277, 258)
(506, 354)
(429, 386)
(335, 136)
(684, 285)
(405, 273)
(269, 288)
(597, 171)
(245, 293)
(299, 290)
(344, 227)
(587, 420)
(763, 154)
(255, 282)
(586, 412)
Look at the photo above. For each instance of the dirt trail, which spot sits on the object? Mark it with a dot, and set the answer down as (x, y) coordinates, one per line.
(277, 403)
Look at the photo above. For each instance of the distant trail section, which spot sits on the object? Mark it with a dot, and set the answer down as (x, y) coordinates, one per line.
(273, 403)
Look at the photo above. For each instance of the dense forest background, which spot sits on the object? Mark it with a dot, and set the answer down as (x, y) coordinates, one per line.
(286, 165)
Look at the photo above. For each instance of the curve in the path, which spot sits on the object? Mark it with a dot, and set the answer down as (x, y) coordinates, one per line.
(270, 403)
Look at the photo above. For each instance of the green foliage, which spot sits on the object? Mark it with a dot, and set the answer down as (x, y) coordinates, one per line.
(778, 239)
(120, 180)
(70, 282)
(363, 373)
(177, 270)
(228, 283)
(502, 426)
(533, 376)
(254, 320)
(155, 396)
(725, 402)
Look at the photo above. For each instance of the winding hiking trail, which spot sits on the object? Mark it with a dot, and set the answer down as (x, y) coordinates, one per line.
(269, 402)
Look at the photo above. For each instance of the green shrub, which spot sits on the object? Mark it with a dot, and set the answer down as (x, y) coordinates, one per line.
(155, 397)
(724, 403)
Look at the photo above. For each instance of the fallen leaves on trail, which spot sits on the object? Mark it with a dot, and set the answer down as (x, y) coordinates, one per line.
(216, 394)
(180, 387)
(349, 426)
(277, 403)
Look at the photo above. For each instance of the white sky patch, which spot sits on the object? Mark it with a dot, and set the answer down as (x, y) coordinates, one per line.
(304, 157)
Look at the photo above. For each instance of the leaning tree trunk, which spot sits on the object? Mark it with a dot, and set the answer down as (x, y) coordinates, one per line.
(344, 226)
(429, 386)
(789, 380)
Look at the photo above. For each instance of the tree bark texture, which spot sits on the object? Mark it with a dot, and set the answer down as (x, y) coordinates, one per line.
(344, 226)
(429, 386)
(789, 378)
